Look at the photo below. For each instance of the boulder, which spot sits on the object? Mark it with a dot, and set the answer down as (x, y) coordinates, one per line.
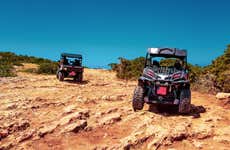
(179, 133)
(197, 144)
(18, 126)
(105, 97)
(25, 136)
(75, 126)
(24, 124)
(47, 129)
(202, 131)
(113, 97)
(12, 106)
(110, 119)
(222, 96)
(69, 109)
(6, 146)
(222, 139)
(79, 99)
(83, 114)
(140, 136)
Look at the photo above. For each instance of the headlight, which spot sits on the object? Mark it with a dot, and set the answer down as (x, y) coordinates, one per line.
(177, 76)
(180, 75)
(149, 73)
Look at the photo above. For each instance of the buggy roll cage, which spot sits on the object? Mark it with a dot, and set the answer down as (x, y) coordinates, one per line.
(77, 57)
(167, 53)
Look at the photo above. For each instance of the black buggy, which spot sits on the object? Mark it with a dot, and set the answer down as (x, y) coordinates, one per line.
(70, 65)
(164, 80)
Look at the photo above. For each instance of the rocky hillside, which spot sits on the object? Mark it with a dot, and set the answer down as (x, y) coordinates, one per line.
(39, 112)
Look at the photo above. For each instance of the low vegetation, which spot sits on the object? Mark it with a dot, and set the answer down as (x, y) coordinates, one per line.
(128, 69)
(6, 70)
(8, 60)
(47, 68)
(220, 69)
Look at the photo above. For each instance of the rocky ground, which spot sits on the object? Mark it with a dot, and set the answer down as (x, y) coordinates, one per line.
(39, 112)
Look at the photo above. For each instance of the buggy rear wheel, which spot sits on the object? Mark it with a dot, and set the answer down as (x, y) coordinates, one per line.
(138, 98)
(78, 77)
(60, 76)
(185, 101)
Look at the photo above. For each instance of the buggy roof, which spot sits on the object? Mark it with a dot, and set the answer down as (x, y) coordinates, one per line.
(71, 55)
(168, 52)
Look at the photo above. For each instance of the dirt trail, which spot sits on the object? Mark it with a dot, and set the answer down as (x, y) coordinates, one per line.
(39, 112)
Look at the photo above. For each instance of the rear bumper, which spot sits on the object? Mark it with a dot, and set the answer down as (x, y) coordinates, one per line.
(69, 74)
(67, 68)
(162, 101)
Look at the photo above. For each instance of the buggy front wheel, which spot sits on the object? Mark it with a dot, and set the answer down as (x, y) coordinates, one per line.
(138, 98)
(78, 77)
(185, 101)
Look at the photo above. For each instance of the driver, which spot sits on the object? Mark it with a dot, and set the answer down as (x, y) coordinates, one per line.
(155, 63)
(178, 65)
(76, 62)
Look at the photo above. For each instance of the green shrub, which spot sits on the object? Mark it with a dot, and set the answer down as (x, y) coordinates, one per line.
(6, 70)
(30, 70)
(220, 68)
(128, 69)
(8, 60)
(47, 68)
(194, 72)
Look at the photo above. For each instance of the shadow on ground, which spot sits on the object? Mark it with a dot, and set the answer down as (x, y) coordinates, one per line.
(76, 82)
(167, 110)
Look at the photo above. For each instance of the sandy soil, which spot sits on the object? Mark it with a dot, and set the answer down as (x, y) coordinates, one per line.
(39, 112)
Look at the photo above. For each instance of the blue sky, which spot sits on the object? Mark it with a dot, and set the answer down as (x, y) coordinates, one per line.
(103, 30)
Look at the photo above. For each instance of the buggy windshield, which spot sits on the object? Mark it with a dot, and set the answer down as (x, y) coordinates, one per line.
(164, 65)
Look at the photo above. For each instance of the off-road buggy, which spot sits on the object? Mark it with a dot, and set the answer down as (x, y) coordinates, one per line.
(164, 80)
(70, 65)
